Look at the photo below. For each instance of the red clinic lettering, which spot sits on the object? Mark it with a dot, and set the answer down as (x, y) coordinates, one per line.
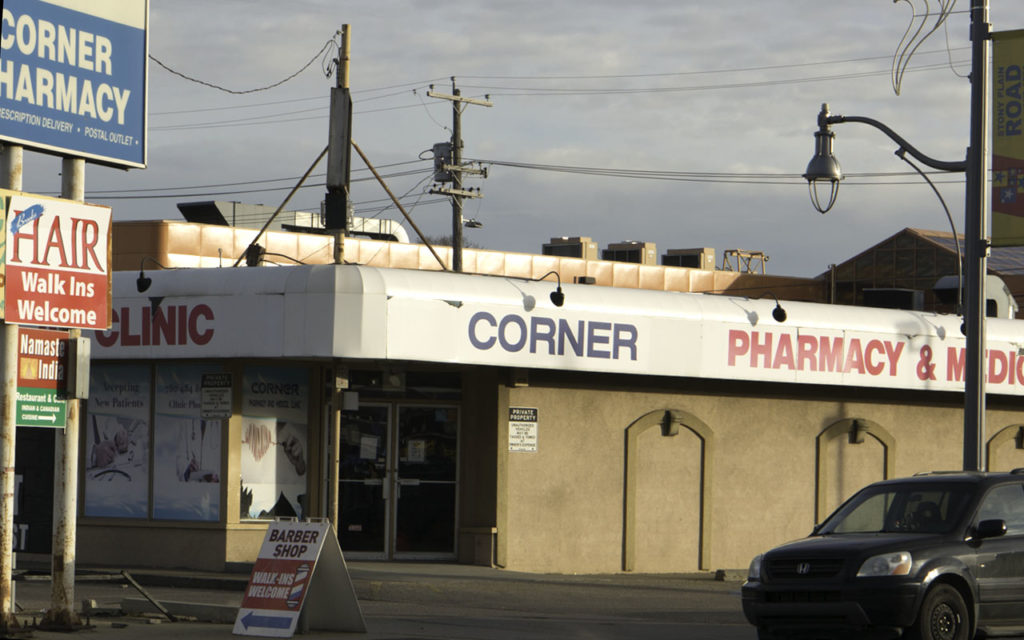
(175, 325)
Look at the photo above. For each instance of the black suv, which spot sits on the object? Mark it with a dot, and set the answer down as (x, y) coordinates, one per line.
(935, 556)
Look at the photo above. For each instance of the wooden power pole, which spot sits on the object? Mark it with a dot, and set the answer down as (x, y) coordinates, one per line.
(456, 192)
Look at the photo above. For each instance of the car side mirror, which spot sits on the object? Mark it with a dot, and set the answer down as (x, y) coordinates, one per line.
(989, 529)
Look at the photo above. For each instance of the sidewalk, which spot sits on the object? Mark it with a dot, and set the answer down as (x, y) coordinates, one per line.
(422, 600)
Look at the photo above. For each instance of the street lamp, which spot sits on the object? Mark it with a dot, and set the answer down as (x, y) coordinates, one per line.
(824, 168)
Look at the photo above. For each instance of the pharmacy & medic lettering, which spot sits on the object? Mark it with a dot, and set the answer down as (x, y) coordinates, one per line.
(926, 365)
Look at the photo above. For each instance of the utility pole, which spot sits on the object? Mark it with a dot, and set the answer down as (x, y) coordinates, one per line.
(456, 192)
(339, 154)
(62, 614)
(337, 221)
(11, 168)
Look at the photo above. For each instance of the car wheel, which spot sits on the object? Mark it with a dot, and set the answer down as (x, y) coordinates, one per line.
(943, 616)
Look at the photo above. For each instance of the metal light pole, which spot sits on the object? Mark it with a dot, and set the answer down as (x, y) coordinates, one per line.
(823, 168)
(976, 237)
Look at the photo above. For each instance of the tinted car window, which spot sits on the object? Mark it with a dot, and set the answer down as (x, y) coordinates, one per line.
(1004, 502)
(900, 509)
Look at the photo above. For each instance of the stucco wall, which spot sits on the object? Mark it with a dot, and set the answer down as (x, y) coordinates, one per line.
(564, 504)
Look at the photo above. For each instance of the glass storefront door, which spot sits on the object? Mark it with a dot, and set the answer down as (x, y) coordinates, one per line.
(364, 491)
(398, 481)
(427, 439)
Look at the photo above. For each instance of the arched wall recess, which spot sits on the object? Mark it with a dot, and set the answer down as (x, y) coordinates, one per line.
(669, 421)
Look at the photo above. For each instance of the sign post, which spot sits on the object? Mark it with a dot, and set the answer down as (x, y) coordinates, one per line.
(299, 570)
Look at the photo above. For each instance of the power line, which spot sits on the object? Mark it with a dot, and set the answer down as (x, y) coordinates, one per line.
(575, 91)
(196, 191)
(245, 91)
(291, 180)
(705, 71)
(513, 91)
(705, 176)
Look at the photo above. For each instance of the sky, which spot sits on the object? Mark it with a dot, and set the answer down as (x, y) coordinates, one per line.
(677, 122)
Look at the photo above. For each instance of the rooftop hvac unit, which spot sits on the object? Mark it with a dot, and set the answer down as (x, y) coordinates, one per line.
(631, 251)
(699, 258)
(886, 298)
(577, 247)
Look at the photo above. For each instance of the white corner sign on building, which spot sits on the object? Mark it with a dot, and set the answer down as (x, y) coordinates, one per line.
(299, 570)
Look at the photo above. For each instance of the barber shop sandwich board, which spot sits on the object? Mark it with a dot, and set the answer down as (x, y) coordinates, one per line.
(299, 581)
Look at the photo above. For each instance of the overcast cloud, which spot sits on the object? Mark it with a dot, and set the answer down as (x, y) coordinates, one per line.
(726, 87)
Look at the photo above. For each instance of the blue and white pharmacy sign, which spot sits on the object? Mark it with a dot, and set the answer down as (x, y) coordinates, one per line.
(73, 78)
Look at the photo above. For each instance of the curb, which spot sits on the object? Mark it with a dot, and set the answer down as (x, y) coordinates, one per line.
(190, 610)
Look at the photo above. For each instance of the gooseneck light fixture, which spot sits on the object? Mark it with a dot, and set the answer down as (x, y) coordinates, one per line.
(778, 312)
(557, 297)
(143, 282)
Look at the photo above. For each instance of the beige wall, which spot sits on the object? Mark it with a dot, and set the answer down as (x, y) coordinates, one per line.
(749, 466)
(773, 462)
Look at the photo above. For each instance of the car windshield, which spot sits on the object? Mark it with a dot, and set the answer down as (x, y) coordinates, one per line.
(911, 508)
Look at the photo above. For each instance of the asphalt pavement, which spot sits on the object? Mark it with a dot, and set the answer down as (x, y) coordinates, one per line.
(403, 600)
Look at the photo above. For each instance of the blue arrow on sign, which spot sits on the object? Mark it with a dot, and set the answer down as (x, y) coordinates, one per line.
(266, 622)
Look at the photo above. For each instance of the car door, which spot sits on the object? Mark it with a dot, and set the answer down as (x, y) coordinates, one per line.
(1001, 560)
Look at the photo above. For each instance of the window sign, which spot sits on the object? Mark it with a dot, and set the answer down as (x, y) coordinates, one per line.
(117, 442)
(186, 447)
(274, 448)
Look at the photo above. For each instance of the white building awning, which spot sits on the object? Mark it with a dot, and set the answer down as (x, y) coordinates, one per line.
(347, 311)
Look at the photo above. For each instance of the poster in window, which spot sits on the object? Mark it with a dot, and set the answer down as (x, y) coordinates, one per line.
(117, 441)
(186, 447)
(274, 446)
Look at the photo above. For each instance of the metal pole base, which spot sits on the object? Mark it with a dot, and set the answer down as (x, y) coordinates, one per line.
(10, 628)
(63, 621)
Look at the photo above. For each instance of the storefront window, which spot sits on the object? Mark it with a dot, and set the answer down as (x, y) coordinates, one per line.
(186, 447)
(117, 441)
(274, 446)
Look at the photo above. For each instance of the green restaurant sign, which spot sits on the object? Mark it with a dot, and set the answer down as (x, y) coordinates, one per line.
(42, 369)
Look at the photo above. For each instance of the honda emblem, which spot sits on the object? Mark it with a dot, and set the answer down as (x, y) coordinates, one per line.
(803, 568)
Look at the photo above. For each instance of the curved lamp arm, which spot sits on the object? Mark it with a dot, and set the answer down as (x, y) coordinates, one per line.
(959, 166)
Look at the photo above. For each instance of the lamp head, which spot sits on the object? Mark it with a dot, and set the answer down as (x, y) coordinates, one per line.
(823, 167)
(557, 297)
(778, 312)
(142, 282)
